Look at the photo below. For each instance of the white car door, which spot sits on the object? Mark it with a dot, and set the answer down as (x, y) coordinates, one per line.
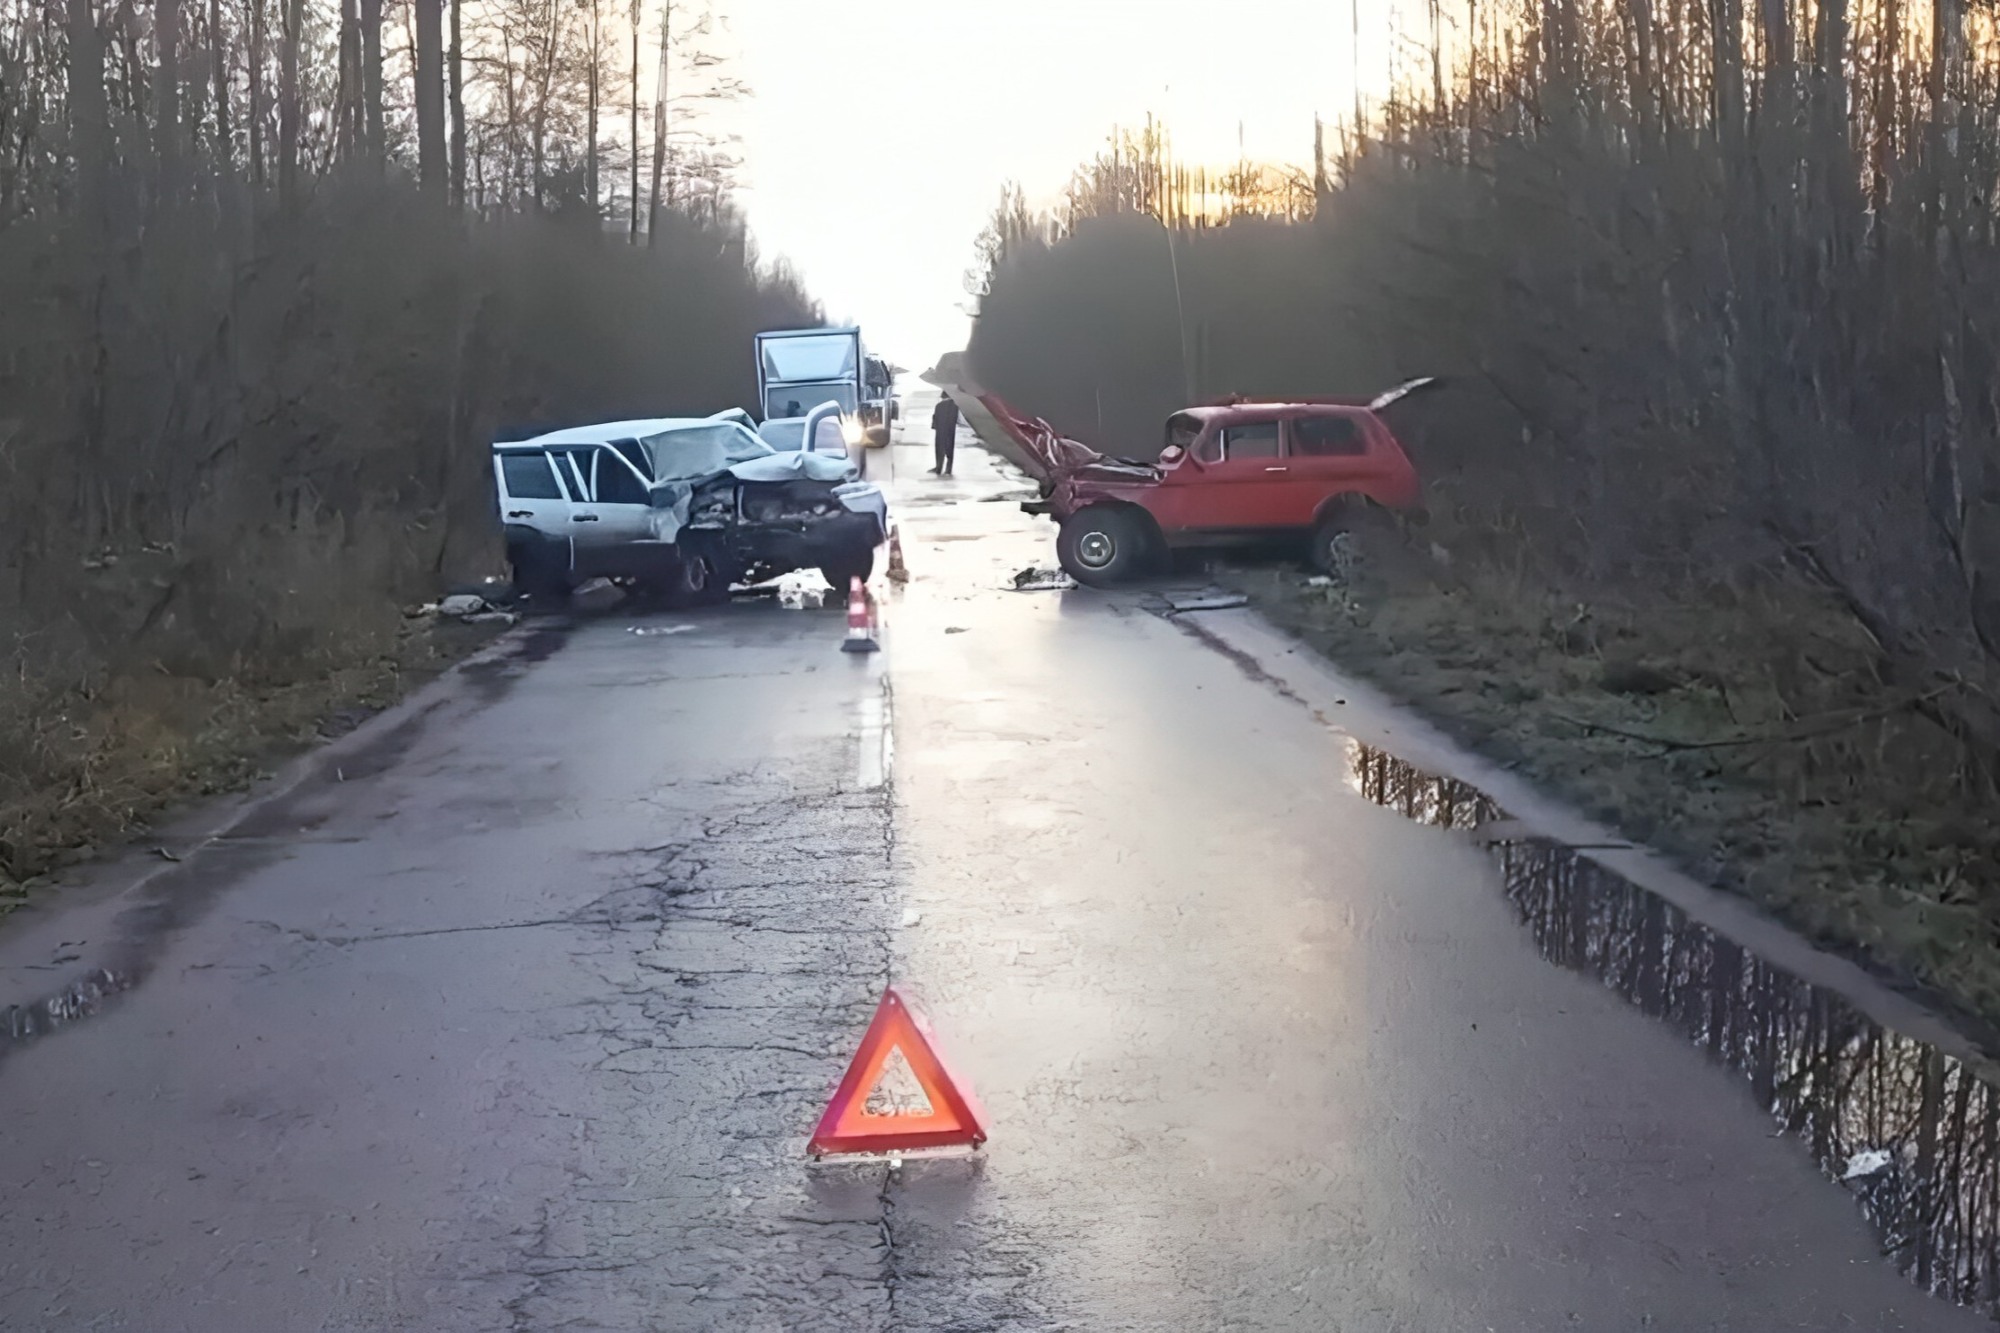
(824, 431)
(623, 500)
(612, 508)
(588, 535)
(531, 497)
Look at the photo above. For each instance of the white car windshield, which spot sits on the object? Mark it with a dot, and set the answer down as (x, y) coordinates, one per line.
(784, 435)
(702, 451)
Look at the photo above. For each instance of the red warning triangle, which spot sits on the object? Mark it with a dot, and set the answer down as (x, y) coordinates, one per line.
(857, 1120)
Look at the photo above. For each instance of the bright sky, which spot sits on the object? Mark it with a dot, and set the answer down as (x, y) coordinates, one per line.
(881, 130)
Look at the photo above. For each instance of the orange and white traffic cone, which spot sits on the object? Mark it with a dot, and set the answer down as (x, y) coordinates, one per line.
(897, 572)
(860, 620)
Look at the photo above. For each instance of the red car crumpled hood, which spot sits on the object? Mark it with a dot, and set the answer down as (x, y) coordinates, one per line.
(1052, 457)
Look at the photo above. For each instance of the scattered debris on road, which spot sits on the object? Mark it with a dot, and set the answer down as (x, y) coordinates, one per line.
(1034, 579)
(596, 595)
(466, 608)
(805, 591)
(650, 631)
(1206, 599)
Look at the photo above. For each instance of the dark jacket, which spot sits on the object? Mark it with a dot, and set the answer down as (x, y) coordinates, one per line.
(944, 418)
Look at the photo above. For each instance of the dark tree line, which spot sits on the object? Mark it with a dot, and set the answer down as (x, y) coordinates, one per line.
(1716, 284)
(273, 274)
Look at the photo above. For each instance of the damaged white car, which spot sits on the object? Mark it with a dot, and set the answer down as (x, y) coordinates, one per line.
(681, 506)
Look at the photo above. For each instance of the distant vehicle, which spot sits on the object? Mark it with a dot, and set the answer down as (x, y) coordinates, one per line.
(686, 506)
(879, 408)
(1231, 473)
(797, 368)
(820, 430)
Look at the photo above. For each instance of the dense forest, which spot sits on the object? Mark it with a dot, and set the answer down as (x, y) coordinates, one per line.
(1714, 285)
(272, 275)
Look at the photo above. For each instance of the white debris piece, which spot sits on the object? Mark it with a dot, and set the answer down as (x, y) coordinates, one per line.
(803, 590)
(1866, 1163)
(460, 605)
(1209, 599)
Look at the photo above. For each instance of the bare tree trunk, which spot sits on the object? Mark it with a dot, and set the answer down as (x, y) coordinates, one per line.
(288, 103)
(1437, 59)
(512, 139)
(659, 124)
(256, 77)
(347, 102)
(1888, 109)
(218, 50)
(1830, 148)
(458, 104)
(373, 135)
(1830, 57)
(545, 96)
(1947, 46)
(89, 118)
(1929, 1111)
(635, 122)
(1727, 17)
(430, 96)
(1642, 75)
(590, 125)
(167, 93)
(1779, 58)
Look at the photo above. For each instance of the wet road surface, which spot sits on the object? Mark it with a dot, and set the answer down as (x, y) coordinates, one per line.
(518, 1013)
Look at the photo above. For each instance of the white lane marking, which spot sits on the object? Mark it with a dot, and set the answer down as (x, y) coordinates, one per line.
(875, 752)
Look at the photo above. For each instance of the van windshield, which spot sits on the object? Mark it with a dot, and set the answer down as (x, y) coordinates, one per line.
(795, 400)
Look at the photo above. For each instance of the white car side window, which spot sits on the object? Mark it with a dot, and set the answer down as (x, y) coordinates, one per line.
(528, 476)
(617, 483)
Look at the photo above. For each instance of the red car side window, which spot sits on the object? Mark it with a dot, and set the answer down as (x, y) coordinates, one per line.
(1328, 437)
(1255, 440)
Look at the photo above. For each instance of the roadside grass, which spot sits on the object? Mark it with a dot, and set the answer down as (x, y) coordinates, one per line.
(88, 757)
(1747, 732)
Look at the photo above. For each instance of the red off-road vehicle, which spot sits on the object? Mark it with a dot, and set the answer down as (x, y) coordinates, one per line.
(1231, 473)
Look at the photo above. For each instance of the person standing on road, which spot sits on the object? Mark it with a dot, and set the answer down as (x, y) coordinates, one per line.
(944, 432)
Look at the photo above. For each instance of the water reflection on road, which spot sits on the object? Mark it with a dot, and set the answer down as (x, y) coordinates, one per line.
(1914, 1133)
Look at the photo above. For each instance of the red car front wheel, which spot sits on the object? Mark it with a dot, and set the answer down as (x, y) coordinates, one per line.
(1103, 545)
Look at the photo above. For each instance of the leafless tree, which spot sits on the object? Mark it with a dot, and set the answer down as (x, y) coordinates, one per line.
(240, 426)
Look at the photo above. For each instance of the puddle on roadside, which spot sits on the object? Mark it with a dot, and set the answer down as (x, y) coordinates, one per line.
(1912, 1132)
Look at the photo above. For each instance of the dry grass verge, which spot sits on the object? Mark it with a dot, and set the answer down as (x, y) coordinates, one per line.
(1748, 733)
(85, 763)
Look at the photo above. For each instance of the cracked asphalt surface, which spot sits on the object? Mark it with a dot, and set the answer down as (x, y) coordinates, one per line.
(519, 1013)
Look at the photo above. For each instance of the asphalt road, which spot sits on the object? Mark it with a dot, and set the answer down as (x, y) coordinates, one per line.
(517, 1010)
